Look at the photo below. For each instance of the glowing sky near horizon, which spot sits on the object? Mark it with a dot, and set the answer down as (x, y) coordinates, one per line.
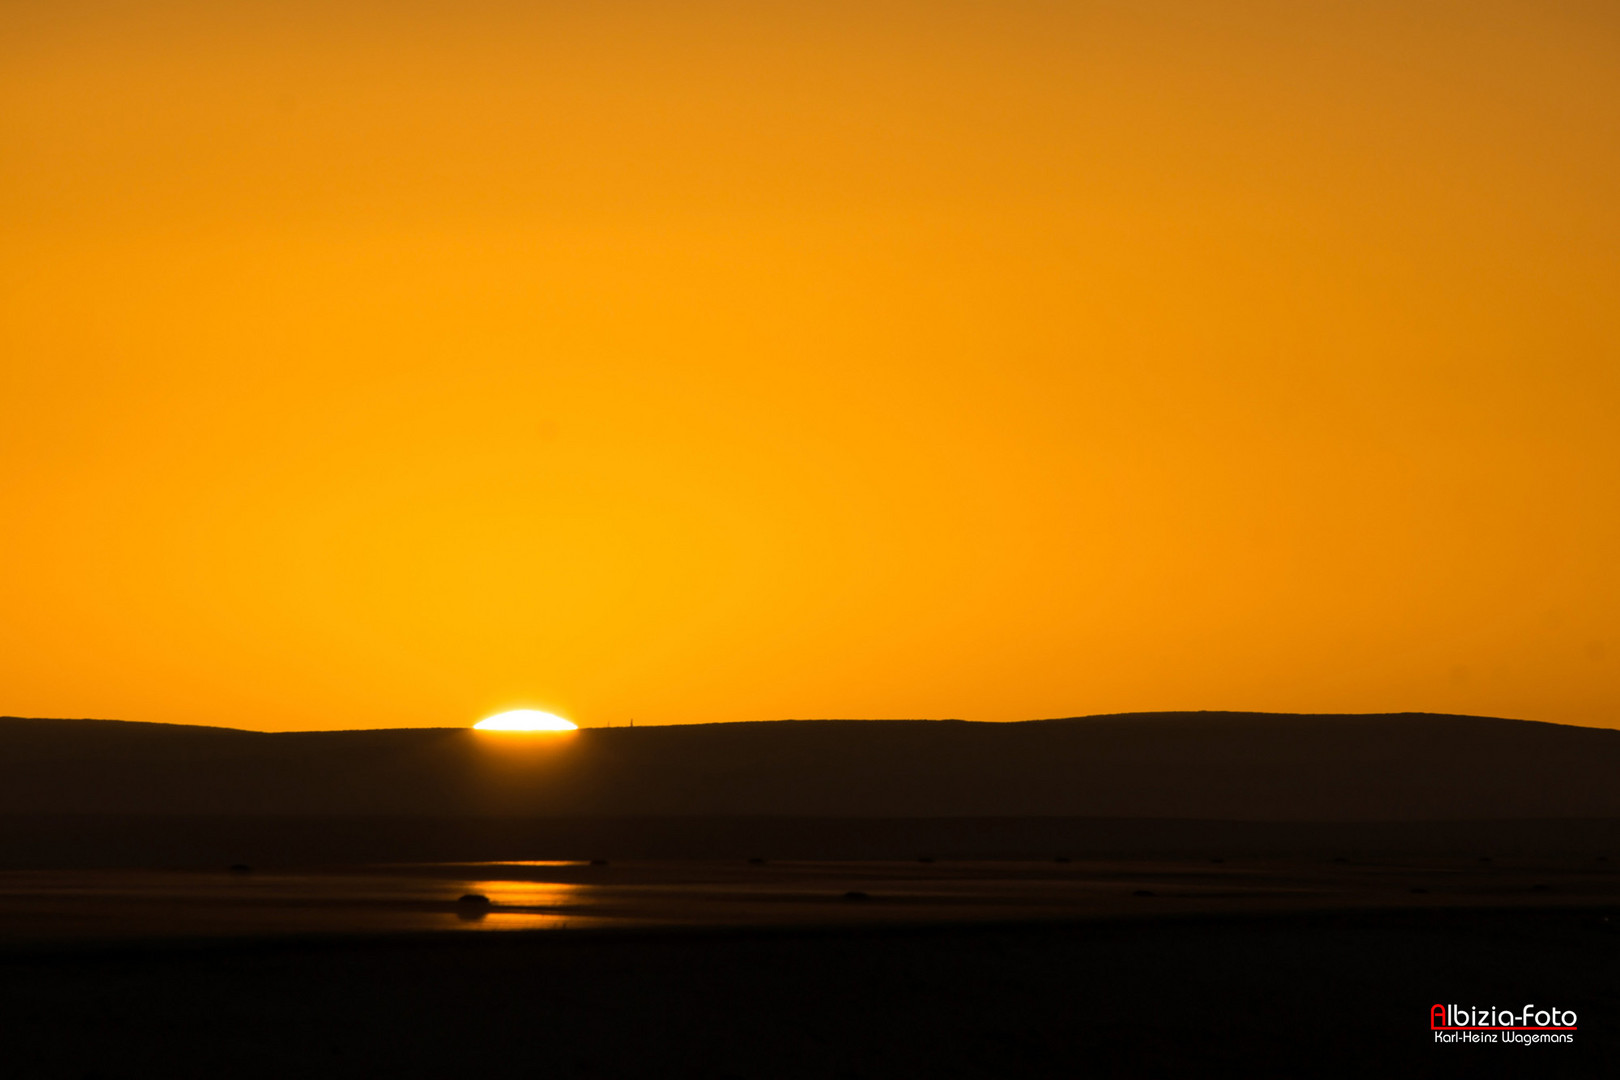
(371, 364)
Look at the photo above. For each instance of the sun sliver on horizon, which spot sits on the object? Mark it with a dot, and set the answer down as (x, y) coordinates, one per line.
(525, 720)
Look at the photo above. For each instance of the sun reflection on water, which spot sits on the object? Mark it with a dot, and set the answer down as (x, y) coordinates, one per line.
(518, 905)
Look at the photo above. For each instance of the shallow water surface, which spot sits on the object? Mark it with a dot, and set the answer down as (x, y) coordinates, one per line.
(87, 905)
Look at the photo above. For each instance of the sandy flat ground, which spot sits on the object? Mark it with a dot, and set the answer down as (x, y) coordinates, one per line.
(1308, 994)
(1275, 967)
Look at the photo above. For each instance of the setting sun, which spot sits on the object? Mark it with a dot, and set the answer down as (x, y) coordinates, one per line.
(525, 720)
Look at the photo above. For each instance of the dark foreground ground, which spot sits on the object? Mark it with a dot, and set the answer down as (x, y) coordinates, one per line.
(1310, 994)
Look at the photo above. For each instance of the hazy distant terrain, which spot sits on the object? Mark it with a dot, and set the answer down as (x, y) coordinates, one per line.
(1224, 766)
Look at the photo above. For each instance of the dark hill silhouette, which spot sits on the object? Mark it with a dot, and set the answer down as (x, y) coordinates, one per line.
(1212, 766)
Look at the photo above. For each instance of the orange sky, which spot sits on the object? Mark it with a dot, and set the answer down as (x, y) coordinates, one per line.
(387, 364)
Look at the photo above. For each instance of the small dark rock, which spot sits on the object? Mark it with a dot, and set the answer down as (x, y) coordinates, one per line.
(1061, 859)
(240, 868)
(1541, 888)
(1415, 889)
(599, 862)
(473, 907)
(857, 896)
(1143, 892)
(925, 858)
(756, 861)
